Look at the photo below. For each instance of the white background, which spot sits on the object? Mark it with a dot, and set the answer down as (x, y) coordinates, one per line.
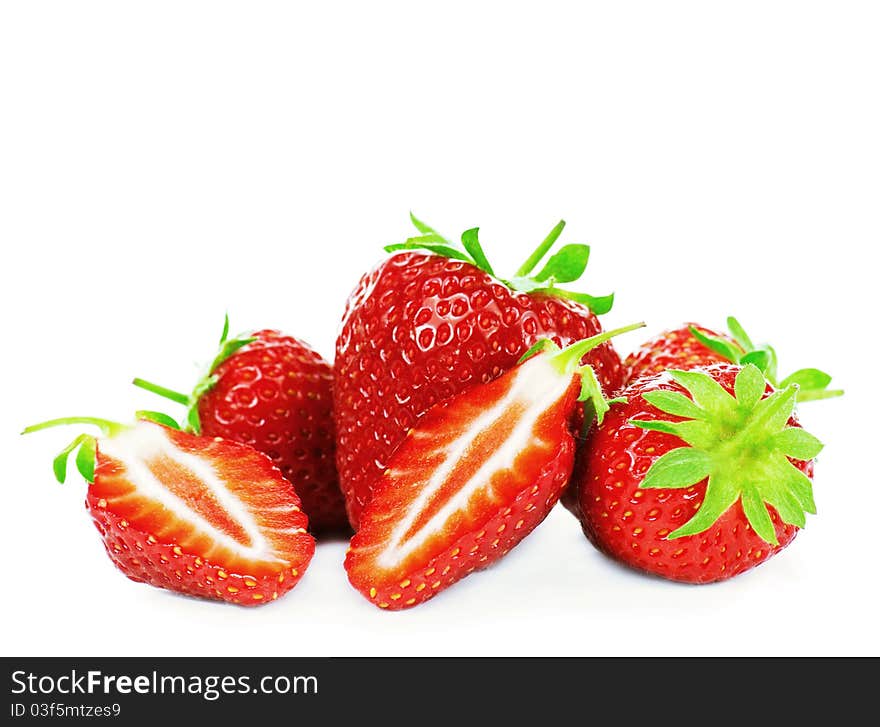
(163, 162)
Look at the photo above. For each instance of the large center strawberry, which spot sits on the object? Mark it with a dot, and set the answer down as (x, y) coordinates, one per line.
(424, 326)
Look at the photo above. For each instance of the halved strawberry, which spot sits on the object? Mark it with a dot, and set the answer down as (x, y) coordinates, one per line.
(199, 515)
(477, 473)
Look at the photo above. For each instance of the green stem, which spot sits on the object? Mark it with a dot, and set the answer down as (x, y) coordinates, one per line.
(175, 396)
(540, 251)
(105, 425)
(568, 359)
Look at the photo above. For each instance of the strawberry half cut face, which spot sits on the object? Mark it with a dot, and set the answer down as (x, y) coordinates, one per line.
(477, 474)
(203, 516)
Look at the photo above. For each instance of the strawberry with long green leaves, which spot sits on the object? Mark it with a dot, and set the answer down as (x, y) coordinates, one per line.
(272, 392)
(698, 475)
(476, 475)
(435, 319)
(203, 516)
(692, 346)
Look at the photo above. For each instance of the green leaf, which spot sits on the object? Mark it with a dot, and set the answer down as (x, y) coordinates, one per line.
(706, 392)
(591, 391)
(749, 386)
(192, 420)
(227, 349)
(422, 227)
(719, 345)
(435, 247)
(759, 358)
(797, 483)
(797, 443)
(158, 417)
(674, 402)
(598, 304)
(807, 379)
(657, 425)
(85, 458)
(772, 414)
(739, 334)
(694, 432)
(540, 346)
(59, 464)
(816, 394)
(770, 370)
(756, 513)
(678, 468)
(567, 265)
(471, 242)
(225, 333)
(786, 504)
(721, 493)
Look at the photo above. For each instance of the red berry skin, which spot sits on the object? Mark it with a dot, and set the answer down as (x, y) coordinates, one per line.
(421, 328)
(631, 524)
(275, 394)
(675, 349)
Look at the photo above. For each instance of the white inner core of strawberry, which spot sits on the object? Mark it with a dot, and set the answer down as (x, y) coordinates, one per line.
(536, 387)
(146, 442)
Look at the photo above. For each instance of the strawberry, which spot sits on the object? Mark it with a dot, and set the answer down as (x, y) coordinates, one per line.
(477, 473)
(273, 392)
(203, 516)
(699, 475)
(424, 326)
(693, 346)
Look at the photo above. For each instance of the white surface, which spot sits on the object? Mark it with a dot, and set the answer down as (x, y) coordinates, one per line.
(162, 163)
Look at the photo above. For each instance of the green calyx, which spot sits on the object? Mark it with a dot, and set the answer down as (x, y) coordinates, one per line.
(741, 443)
(565, 266)
(812, 383)
(227, 347)
(85, 445)
(568, 362)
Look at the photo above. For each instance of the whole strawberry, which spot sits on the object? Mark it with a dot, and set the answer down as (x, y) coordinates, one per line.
(693, 346)
(426, 325)
(699, 475)
(198, 515)
(273, 392)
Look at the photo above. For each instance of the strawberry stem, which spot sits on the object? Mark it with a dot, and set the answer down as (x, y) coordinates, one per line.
(174, 396)
(540, 251)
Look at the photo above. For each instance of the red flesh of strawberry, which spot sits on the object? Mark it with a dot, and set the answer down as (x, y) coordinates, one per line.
(202, 516)
(478, 473)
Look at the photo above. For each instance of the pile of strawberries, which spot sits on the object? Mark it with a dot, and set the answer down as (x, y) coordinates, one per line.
(460, 408)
